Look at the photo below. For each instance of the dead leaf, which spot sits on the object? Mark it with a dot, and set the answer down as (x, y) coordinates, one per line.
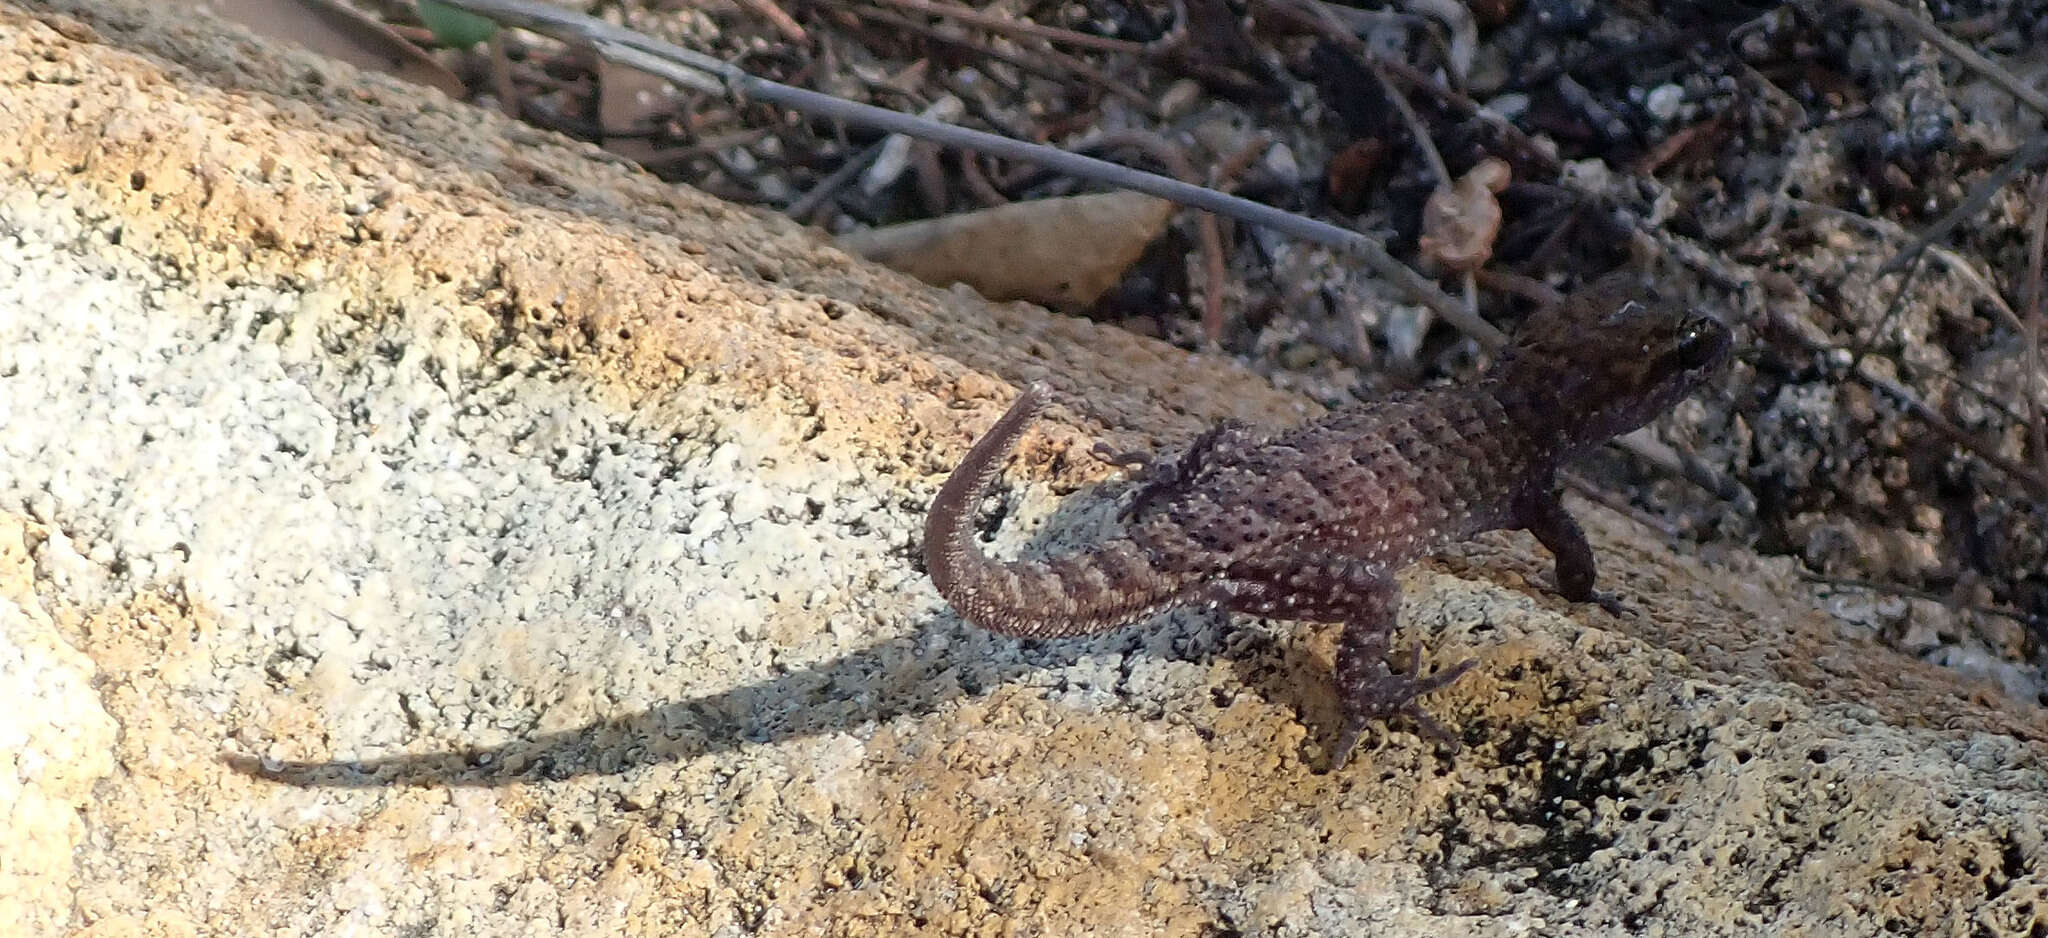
(630, 102)
(340, 32)
(1460, 221)
(1350, 174)
(1063, 253)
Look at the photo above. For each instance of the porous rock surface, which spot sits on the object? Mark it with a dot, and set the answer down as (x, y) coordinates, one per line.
(551, 534)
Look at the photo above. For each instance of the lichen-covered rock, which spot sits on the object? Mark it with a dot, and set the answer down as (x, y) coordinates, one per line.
(549, 531)
(56, 743)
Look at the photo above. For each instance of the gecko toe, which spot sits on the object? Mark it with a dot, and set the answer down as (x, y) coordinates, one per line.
(1428, 726)
(1384, 695)
(1440, 679)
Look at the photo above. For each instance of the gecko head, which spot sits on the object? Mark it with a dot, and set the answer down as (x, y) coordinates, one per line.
(1607, 359)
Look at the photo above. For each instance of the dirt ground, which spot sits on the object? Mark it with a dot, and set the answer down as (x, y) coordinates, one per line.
(412, 521)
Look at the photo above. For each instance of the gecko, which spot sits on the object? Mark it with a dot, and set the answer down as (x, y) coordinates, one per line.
(1311, 523)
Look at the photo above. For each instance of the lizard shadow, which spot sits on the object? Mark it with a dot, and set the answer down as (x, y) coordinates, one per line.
(732, 719)
(914, 673)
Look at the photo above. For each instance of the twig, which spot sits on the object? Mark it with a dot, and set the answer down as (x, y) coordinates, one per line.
(1526, 287)
(1427, 145)
(1671, 147)
(1643, 444)
(1781, 198)
(1955, 262)
(2036, 304)
(1968, 273)
(501, 78)
(1227, 171)
(1835, 358)
(672, 157)
(985, 193)
(1457, 20)
(1224, 176)
(1354, 18)
(809, 202)
(1053, 67)
(997, 24)
(1416, 128)
(1211, 239)
(1617, 504)
(783, 22)
(1324, 20)
(1329, 21)
(1980, 195)
(704, 73)
(2036, 483)
(1961, 53)
(1864, 343)
(1417, 79)
(973, 92)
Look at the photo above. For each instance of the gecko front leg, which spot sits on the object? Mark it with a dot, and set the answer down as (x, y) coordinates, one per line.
(1542, 512)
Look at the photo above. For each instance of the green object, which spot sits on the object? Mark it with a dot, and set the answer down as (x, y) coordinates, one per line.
(456, 29)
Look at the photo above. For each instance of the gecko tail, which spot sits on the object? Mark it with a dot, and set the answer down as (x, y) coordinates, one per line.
(1078, 594)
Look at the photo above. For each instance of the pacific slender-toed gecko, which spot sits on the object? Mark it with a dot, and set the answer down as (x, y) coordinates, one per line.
(1312, 523)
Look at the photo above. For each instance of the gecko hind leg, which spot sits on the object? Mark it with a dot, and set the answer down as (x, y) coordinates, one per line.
(1159, 477)
(1329, 587)
(1370, 692)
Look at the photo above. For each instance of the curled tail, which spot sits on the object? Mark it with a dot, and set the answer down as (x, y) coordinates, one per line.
(1094, 591)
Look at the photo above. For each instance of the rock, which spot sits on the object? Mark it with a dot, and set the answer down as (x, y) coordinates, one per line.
(467, 535)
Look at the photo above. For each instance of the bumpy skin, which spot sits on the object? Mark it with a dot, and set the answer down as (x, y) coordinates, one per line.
(1312, 523)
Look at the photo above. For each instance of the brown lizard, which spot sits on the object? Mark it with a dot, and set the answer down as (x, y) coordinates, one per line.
(1312, 523)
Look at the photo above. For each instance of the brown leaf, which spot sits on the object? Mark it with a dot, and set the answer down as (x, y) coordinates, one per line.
(1460, 221)
(1062, 253)
(1349, 178)
(629, 102)
(341, 32)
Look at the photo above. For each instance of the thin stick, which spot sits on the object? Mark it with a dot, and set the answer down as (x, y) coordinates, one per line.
(700, 72)
(1427, 145)
(1617, 504)
(2035, 482)
(829, 186)
(1415, 125)
(1954, 262)
(671, 157)
(1206, 231)
(1416, 78)
(1980, 195)
(1529, 288)
(1054, 67)
(2036, 306)
(997, 24)
(783, 22)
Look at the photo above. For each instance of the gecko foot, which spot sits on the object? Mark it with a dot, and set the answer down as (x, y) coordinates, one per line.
(1610, 602)
(1380, 694)
(1122, 459)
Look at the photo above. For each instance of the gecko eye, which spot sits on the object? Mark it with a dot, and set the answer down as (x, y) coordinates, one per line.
(1700, 343)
